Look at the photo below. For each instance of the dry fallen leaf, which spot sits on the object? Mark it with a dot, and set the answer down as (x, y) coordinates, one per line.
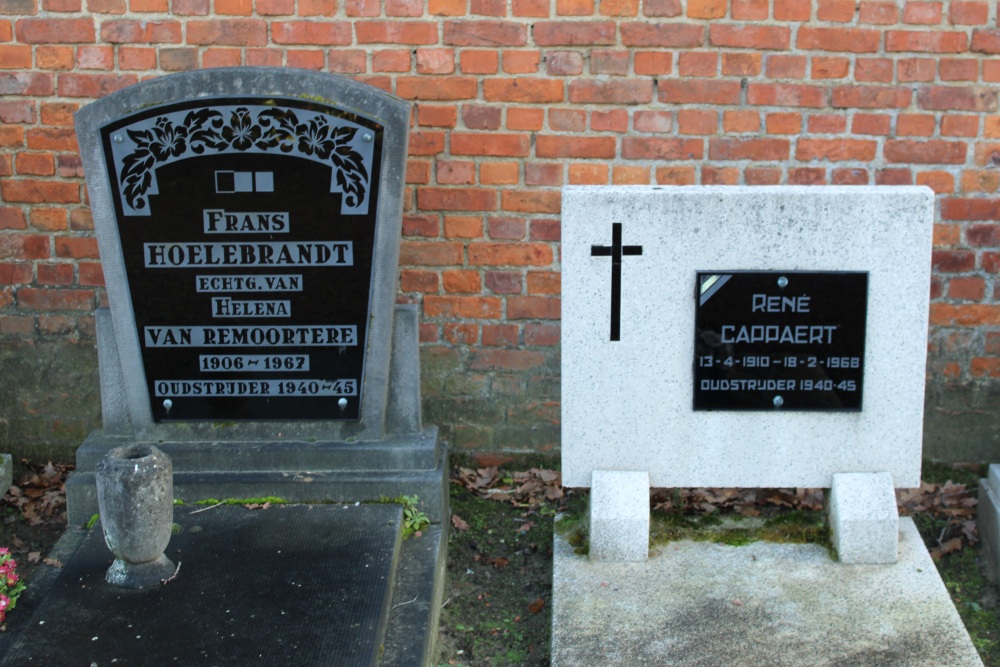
(526, 526)
(34, 556)
(54, 562)
(459, 522)
(536, 606)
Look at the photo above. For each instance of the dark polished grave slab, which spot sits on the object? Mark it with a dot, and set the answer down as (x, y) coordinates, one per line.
(293, 584)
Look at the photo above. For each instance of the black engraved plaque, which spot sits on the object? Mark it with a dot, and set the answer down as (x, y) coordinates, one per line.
(780, 340)
(247, 228)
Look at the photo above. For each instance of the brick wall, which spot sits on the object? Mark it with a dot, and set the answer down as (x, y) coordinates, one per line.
(513, 99)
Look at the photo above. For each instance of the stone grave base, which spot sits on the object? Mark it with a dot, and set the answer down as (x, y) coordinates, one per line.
(780, 605)
(287, 585)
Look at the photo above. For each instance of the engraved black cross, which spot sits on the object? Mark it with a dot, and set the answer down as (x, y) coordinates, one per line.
(616, 250)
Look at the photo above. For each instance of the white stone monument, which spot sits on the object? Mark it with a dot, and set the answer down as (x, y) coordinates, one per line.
(742, 337)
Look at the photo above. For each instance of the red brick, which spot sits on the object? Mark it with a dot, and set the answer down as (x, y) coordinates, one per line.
(15, 56)
(838, 11)
(925, 152)
(479, 62)
(827, 123)
(77, 247)
(963, 98)
(830, 68)
(137, 58)
(503, 282)
(720, 175)
(777, 38)
(36, 192)
(317, 8)
(784, 123)
(547, 146)
(655, 148)
(786, 67)
(525, 119)
(543, 173)
(588, 91)
(466, 227)
(11, 136)
(583, 33)
(675, 176)
(762, 176)
(536, 333)
(664, 8)
(391, 60)
(523, 90)
(190, 7)
(852, 176)
(14, 273)
(916, 69)
(426, 143)
(362, 7)
(510, 254)
(505, 360)
(35, 164)
(395, 32)
(176, 60)
(894, 177)
(610, 62)
(488, 8)
(697, 121)
(311, 32)
(870, 97)
(922, 13)
(991, 262)
(667, 35)
(24, 246)
(873, 70)
(915, 125)
(93, 85)
(959, 126)
(456, 199)
(54, 274)
(574, 7)
(530, 8)
(871, 123)
(494, 145)
(418, 281)
(472, 307)
(563, 63)
(480, 117)
(835, 149)
(500, 335)
(543, 230)
(852, 40)
(763, 150)
(959, 69)
(55, 31)
(228, 32)
(437, 116)
(749, 10)
(436, 88)
(697, 63)
(980, 366)
(653, 62)
(17, 112)
(630, 175)
(953, 261)
(506, 228)
(968, 13)
(741, 64)
(55, 299)
(615, 120)
(807, 176)
(402, 8)
(882, 13)
(429, 253)
(420, 225)
(740, 121)
(706, 9)
(484, 33)
(673, 91)
(588, 174)
(567, 120)
(934, 41)
(619, 7)
(12, 218)
(535, 201)
(221, 57)
(461, 281)
(521, 62)
(792, 10)
(970, 209)
(533, 307)
(652, 121)
(941, 182)
(786, 94)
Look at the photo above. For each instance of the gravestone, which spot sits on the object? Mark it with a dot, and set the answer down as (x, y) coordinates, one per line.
(745, 337)
(249, 222)
(988, 518)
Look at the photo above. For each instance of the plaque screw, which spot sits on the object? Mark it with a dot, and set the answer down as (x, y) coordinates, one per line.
(167, 404)
(782, 281)
(778, 401)
(366, 137)
(342, 403)
(119, 139)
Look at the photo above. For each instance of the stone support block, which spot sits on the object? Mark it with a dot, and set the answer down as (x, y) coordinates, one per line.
(619, 516)
(864, 520)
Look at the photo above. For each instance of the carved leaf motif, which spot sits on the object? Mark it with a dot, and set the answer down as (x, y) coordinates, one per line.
(279, 129)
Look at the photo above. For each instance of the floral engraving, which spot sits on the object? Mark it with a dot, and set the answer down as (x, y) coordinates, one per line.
(207, 130)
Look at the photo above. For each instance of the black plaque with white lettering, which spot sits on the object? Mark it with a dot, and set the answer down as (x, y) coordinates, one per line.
(247, 228)
(780, 340)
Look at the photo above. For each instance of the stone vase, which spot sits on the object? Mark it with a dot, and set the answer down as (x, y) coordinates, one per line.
(135, 495)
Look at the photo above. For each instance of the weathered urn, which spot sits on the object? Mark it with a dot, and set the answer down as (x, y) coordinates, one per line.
(135, 495)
